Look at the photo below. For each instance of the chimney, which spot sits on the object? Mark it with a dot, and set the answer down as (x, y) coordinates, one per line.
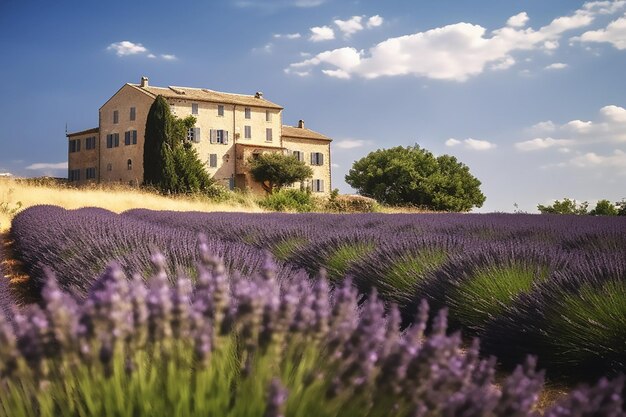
(301, 124)
(258, 94)
(144, 81)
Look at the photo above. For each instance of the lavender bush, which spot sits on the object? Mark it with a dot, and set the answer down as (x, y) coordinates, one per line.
(251, 347)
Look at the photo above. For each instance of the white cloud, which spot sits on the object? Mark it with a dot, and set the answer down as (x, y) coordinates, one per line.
(169, 57)
(473, 144)
(616, 160)
(556, 66)
(322, 33)
(610, 127)
(518, 21)
(124, 48)
(605, 7)
(43, 166)
(287, 36)
(151, 56)
(334, 165)
(453, 52)
(350, 143)
(350, 26)
(615, 34)
(541, 143)
(374, 21)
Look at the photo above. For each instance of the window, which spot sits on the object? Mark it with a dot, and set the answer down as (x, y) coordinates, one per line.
(109, 167)
(130, 137)
(213, 160)
(247, 132)
(268, 134)
(90, 173)
(74, 175)
(74, 145)
(219, 136)
(90, 143)
(129, 164)
(318, 186)
(317, 158)
(132, 113)
(113, 140)
(247, 113)
(220, 110)
(268, 116)
(193, 134)
(194, 108)
(299, 155)
(116, 116)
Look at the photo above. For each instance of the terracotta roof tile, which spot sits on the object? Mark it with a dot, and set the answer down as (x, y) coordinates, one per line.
(203, 94)
(84, 132)
(302, 132)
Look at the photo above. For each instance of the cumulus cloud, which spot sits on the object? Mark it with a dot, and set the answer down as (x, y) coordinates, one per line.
(127, 48)
(615, 34)
(374, 21)
(453, 52)
(350, 26)
(124, 48)
(609, 127)
(615, 161)
(542, 143)
(556, 66)
(46, 166)
(350, 143)
(518, 21)
(473, 144)
(287, 36)
(322, 33)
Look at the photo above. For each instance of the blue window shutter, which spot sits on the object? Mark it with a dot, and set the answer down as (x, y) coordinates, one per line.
(127, 137)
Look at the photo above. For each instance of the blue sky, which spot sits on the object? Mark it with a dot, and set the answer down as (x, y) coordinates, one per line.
(529, 94)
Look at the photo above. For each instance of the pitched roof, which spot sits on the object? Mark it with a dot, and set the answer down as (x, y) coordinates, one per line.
(203, 94)
(83, 132)
(302, 132)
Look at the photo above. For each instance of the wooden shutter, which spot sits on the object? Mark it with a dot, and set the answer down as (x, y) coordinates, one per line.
(127, 137)
(196, 134)
(225, 137)
(213, 136)
(321, 190)
(134, 137)
(321, 159)
(213, 160)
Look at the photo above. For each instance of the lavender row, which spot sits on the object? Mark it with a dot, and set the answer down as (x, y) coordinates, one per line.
(250, 346)
(76, 244)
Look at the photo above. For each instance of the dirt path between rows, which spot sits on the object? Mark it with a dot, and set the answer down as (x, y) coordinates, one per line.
(13, 271)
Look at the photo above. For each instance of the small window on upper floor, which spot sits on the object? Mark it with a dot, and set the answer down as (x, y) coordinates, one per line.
(247, 132)
(268, 134)
(317, 158)
(268, 116)
(90, 143)
(220, 110)
(116, 116)
(194, 108)
(132, 113)
(247, 112)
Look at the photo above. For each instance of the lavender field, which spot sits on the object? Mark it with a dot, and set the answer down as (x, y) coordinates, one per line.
(550, 286)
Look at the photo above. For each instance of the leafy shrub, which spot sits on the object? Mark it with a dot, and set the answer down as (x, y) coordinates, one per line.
(351, 204)
(289, 200)
(246, 347)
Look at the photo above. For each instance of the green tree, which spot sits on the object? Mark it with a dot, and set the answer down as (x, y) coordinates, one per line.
(276, 170)
(157, 130)
(566, 206)
(604, 208)
(412, 175)
(177, 168)
(621, 207)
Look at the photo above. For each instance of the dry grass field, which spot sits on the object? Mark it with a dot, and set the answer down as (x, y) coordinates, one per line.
(17, 195)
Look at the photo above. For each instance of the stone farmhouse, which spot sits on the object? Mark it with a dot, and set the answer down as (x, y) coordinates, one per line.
(230, 129)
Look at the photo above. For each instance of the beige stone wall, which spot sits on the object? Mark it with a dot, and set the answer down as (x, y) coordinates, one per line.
(114, 165)
(84, 158)
(309, 146)
(233, 121)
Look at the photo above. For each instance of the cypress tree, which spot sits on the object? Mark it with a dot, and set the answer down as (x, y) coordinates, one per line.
(157, 129)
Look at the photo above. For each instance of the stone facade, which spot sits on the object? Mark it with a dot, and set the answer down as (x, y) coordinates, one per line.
(230, 128)
(83, 156)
